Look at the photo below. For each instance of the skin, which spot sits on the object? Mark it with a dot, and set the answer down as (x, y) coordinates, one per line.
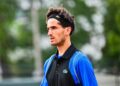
(59, 36)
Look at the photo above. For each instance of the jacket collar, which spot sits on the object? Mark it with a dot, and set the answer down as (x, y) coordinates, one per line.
(68, 53)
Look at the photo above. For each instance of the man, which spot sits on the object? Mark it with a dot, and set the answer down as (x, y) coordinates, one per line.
(68, 67)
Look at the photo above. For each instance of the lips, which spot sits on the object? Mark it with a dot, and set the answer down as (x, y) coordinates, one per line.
(51, 39)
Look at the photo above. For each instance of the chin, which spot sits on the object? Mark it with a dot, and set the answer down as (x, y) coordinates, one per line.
(54, 44)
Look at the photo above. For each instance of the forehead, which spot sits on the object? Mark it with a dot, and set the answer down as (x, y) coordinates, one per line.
(52, 21)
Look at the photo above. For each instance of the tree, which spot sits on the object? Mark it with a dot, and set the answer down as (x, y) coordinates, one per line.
(112, 32)
(36, 39)
(7, 14)
(111, 51)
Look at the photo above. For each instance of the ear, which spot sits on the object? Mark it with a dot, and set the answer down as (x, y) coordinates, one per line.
(68, 30)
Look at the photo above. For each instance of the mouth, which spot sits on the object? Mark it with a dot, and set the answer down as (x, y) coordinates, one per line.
(51, 39)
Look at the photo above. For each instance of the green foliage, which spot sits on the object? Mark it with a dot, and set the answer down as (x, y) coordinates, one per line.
(79, 38)
(111, 52)
(25, 37)
(8, 42)
(23, 68)
(47, 53)
(7, 10)
(7, 14)
(42, 21)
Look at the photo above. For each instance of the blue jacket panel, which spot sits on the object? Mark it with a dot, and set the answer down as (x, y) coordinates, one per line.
(80, 68)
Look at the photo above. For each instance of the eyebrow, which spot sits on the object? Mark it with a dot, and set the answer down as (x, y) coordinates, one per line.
(51, 27)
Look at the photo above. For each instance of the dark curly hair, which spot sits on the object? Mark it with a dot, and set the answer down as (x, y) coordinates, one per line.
(63, 16)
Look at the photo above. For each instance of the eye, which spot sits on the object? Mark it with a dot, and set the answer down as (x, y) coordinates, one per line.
(53, 27)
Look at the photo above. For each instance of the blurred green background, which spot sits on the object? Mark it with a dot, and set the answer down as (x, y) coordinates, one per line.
(24, 44)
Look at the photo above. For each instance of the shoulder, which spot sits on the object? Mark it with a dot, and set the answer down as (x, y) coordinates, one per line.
(80, 57)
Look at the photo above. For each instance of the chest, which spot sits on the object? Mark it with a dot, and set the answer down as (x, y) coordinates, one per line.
(59, 74)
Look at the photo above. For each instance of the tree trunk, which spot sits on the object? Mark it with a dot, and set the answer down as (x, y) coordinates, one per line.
(36, 39)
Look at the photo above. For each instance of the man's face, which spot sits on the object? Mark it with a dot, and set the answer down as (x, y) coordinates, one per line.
(56, 32)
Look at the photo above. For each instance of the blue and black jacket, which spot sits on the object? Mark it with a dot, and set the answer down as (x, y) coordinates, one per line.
(76, 65)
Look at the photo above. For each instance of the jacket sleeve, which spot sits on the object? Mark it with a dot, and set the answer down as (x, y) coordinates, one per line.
(46, 66)
(85, 72)
(43, 81)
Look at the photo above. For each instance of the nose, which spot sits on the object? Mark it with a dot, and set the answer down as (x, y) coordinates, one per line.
(49, 32)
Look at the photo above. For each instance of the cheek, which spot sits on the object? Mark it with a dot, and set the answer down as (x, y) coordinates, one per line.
(61, 34)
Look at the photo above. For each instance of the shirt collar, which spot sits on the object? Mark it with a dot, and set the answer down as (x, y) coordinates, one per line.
(68, 53)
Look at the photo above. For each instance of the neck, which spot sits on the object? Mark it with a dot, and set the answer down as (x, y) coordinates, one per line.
(62, 48)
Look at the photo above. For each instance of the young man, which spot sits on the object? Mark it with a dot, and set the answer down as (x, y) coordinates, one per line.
(68, 67)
